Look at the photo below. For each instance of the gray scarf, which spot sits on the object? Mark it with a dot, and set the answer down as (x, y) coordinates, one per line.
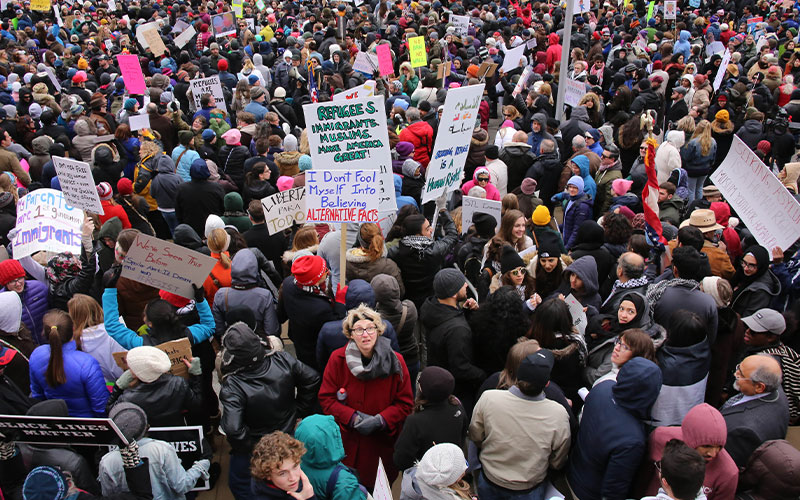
(384, 361)
(417, 242)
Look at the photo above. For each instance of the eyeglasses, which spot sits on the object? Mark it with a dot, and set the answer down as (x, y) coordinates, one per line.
(520, 271)
(657, 463)
(738, 374)
(507, 115)
(622, 346)
(369, 331)
(748, 265)
(608, 157)
(16, 281)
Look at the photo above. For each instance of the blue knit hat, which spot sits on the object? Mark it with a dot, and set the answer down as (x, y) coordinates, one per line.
(304, 163)
(44, 483)
(130, 104)
(209, 135)
(576, 181)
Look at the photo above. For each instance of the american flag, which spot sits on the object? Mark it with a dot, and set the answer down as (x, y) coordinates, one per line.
(650, 196)
(312, 83)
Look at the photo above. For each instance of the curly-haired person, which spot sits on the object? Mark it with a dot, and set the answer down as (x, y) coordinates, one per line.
(275, 469)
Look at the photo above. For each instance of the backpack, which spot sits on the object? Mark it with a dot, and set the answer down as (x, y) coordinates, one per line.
(334, 477)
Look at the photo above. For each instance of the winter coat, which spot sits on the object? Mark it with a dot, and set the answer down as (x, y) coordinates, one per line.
(196, 200)
(612, 439)
(165, 400)
(272, 246)
(519, 158)
(702, 97)
(133, 297)
(753, 422)
(757, 295)
(589, 241)
(668, 156)
(576, 211)
(359, 266)
(491, 191)
(436, 423)
(670, 210)
(688, 298)
(771, 472)
(165, 183)
(546, 170)
(388, 396)
(34, 305)
(183, 158)
(111, 209)
(402, 201)
(231, 162)
(96, 342)
(584, 268)
(64, 458)
(234, 214)
(646, 100)
(578, 124)
(604, 192)
(420, 134)
(9, 162)
(85, 389)
(476, 156)
(751, 133)
(60, 293)
(694, 162)
(450, 345)
(536, 138)
(287, 162)
(684, 373)
(388, 304)
(324, 454)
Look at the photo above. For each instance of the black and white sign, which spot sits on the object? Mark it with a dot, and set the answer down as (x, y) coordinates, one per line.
(60, 430)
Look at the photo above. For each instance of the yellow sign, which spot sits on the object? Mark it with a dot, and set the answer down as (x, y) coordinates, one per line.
(416, 46)
(43, 5)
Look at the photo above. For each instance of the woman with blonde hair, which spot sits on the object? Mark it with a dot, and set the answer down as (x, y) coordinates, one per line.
(241, 95)
(90, 334)
(698, 158)
(512, 121)
(368, 259)
(306, 240)
(220, 275)
(8, 184)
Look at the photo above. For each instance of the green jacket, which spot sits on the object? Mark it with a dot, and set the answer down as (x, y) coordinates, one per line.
(670, 210)
(234, 214)
(324, 450)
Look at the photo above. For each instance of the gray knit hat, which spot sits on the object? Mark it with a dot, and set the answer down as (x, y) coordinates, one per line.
(448, 282)
(130, 419)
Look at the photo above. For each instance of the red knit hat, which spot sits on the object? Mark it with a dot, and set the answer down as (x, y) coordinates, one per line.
(10, 270)
(222, 65)
(125, 186)
(764, 146)
(175, 300)
(309, 269)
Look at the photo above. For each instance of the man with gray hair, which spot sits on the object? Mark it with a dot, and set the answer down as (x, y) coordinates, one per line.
(546, 171)
(630, 278)
(760, 412)
(579, 147)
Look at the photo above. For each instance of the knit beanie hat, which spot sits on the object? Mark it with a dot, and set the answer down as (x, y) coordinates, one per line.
(510, 260)
(147, 362)
(528, 186)
(290, 143)
(447, 283)
(44, 483)
(442, 465)
(304, 163)
(129, 418)
(10, 269)
(208, 135)
(722, 116)
(541, 216)
(492, 152)
(436, 384)
(308, 270)
(199, 170)
(284, 182)
(213, 222)
(104, 191)
(621, 186)
(764, 146)
(130, 103)
(232, 137)
(125, 186)
(485, 224)
(577, 182)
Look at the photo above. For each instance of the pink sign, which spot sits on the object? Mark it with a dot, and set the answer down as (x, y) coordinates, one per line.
(384, 59)
(132, 73)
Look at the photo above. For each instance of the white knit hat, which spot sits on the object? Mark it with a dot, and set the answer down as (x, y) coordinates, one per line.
(442, 465)
(148, 362)
(213, 222)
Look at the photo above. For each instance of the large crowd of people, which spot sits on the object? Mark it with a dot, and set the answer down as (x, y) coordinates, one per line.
(590, 343)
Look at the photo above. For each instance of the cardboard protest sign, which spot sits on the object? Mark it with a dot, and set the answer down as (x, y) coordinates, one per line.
(726, 58)
(188, 444)
(443, 70)
(365, 63)
(224, 24)
(73, 431)
(176, 350)
(471, 205)
(761, 201)
(513, 57)
(577, 313)
(383, 490)
(45, 221)
(670, 9)
(41, 5)
(185, 37)
(210, 85)
(352, 134)
(384, 53)
(452, 141)
(77, 184)
(131, 73)
(416, 47)
(140, 121)
(336, 196)
(140, 29)
(574, 92)
(284, 209)
(360, 92)
(486, 69)
(154, 41)
(460, 24)
(166, 266)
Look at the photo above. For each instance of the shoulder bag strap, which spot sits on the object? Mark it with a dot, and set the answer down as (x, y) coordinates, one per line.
(179, 158)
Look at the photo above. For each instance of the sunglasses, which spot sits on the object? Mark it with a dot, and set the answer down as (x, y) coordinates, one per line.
(520, 271)
(483, 179)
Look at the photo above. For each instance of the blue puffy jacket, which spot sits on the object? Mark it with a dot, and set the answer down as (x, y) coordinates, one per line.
(576, 212)
(34, 305)
(85, 390)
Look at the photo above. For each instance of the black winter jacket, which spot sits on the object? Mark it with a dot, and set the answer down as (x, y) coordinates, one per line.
(196, 200)
(166, 400)
(231, 162)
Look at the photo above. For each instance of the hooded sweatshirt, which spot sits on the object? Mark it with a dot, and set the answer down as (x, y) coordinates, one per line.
(387, 298)
(683, 46)
(234, 214)
(491, 190)
(703, 425)
(536, 138)
(589, 186)
(585, 268)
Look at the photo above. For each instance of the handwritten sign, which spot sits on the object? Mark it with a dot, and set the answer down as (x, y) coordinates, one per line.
(383, 490)
(176, 350)
(336, 196)
(574, 92)
(384, 54)
(365, 63)
(352, 134)
(77, 184)
(45, 221)
(452, 141)
(513, 57)
(166, 266)
(132, 73)
(471, 205)
(41, 5)
(188, 444)
(154, 41)
(60, 430)
(670, 9)
(460, 24)
(185, 37)
(284, 209)
(759, 198)
(360, 92)
(210, 85)
(416, 46)
(577, 313)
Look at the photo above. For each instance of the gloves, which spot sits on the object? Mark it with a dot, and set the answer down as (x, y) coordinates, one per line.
(199, 293)
(111, 276)
(7, 450)
(195, 368)
(130, 454)
(124, 380)
(341, 293)
(367, 424)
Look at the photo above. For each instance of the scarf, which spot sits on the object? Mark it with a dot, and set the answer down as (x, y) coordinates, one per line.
(384, 362)
(656, 290)
(634, 283)
(62, 267)
(417, 242)
(318, 290)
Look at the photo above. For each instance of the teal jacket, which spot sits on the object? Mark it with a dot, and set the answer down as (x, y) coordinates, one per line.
(324, 450)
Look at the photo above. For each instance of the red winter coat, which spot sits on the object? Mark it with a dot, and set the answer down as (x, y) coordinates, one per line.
(111, 211)
(420, 134)
(389, 396)
(553, 51)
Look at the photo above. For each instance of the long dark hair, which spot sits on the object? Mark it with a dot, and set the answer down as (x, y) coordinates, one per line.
(551, 317)
(167, 325)
(497, 326)
(59, 330)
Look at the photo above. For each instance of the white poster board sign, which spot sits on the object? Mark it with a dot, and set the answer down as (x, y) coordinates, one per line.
(366, 63)
(185, 37)
(45, 221)
(726, 58)
(210, 85)
(470, 206)
(581, 6)
(52, 76)
(77, 184)
(140, 33)
(574, 92)
(140, 121)
(577, 313)
(166, 266)
(460, 24)
(360, 92)
(452, 141)
(670, 9)
(336, 196)
(383, 490)
(352, 134)
(179, 26)
(512, 58)
(759, 198)
(714, 48)
(284, 209)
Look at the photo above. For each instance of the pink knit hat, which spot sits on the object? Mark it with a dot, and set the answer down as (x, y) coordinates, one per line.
(232, 137)
(621, 186)
(285, 182)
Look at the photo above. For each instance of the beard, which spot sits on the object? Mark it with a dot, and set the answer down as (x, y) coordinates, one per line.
(736, 385)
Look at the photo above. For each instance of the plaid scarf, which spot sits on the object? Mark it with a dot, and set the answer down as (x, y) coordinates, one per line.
(318, 290)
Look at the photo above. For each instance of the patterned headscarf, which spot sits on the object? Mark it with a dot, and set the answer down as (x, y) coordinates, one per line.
(61, 267)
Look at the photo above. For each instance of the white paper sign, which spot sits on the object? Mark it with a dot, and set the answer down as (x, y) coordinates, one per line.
(531, 44)
(386, 222)
(52, 76)
(56, 11)
(352, 134)
(360, 92)
(140, 32)
(670, 9)
(166, 266)
(112, 6)
(46, 222)
(714, 48)
(138, 122)
(581, 6)
(574, 92)
(184, 37)
(512, 58)
(470, 206)
(726, 58)
(210, 85)
(759, 198)
(452, 141)
(383, 490)
(577, 313)
(77, 184)
(366, 63)
(179, 26)
(460, 24)
(284, 209)
(336, 196)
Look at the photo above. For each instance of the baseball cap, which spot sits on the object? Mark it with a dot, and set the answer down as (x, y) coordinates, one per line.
(766, 320)
(535, 368)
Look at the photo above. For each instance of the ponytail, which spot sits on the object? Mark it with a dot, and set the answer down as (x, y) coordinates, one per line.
(58, 327)
(371, 240)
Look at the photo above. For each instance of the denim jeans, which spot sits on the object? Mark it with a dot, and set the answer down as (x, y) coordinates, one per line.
(171, 219)
(488, 491)
(696, 187)
(239, 477)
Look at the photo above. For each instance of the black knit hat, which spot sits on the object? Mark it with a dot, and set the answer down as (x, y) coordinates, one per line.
(436, 384)
(510, 260)
(485, 224)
